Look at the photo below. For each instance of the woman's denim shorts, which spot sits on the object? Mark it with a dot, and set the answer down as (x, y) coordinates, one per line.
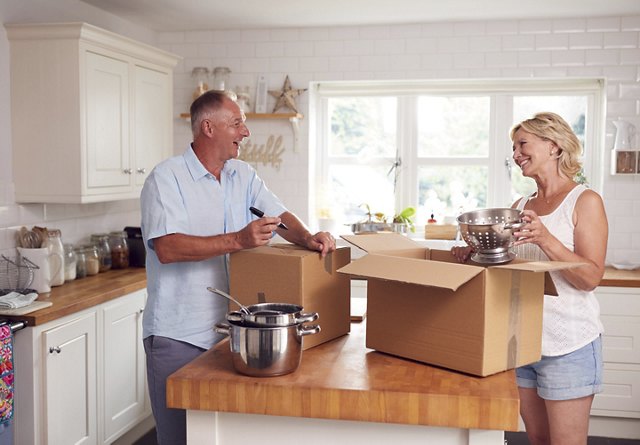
(565, 377)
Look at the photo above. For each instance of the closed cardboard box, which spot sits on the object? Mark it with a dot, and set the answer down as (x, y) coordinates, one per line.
(285, 273)
(423, 305)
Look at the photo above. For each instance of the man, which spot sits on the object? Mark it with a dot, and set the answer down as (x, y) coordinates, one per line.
(195, 211)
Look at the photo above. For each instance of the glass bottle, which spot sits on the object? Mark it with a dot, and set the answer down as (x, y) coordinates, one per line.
(119, 250)
(81, 264)
(101, 241)
(92, 259)
(70, 261)
(56, 256)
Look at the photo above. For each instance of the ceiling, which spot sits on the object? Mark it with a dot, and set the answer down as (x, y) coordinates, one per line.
(184, 15)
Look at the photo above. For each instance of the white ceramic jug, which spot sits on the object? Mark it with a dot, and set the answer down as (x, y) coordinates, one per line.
(625, 131)
(41, 257)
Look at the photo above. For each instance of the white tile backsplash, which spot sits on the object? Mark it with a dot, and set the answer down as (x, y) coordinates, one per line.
(575, 46)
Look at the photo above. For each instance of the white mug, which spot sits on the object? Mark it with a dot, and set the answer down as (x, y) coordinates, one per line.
(41, 257)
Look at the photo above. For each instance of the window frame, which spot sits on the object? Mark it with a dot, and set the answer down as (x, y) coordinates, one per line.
(500, 92)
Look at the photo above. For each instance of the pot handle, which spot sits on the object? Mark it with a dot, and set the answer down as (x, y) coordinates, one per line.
(223, 328)
(305, 318)
(308, 329)
(235, 317)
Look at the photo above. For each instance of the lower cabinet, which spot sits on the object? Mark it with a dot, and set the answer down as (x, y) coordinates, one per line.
(620, 314)
(81, 379)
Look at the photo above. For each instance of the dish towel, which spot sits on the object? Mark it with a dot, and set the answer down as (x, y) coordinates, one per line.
(6, 375)
(14, 300)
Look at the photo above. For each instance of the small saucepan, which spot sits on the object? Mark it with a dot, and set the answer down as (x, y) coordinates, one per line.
(272, 315)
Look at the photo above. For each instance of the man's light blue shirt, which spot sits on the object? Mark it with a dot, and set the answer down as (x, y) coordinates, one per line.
(181, 196)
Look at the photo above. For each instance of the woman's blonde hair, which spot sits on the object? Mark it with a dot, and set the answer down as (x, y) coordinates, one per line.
(551, 127)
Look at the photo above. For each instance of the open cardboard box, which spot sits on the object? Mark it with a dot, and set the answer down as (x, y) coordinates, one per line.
(286, 273)
(424, 305)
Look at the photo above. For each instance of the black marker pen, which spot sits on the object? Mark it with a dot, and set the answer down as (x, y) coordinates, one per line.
(260, 214)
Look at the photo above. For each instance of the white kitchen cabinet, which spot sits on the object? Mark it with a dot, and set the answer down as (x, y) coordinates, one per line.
(69, 391)
(620, 314)
(91, 112)
(81, 379)
(123, 388)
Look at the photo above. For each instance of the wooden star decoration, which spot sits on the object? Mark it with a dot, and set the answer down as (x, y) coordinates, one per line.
(286, 98)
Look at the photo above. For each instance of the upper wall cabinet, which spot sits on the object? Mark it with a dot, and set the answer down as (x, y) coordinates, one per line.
(91, 112)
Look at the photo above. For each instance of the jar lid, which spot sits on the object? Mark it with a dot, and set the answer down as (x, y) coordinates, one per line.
(118, 233)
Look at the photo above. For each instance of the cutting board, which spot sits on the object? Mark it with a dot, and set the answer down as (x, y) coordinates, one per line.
(35, 306)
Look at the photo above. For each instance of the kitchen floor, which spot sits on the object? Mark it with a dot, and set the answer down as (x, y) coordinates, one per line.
(511, 439)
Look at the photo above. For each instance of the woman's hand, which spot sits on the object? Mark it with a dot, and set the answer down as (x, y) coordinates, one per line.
(533, 230)
(461, 253)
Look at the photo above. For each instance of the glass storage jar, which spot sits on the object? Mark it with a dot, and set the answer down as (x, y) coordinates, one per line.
(92, 259)
(220, 78)
(101, 241)
(56, 256)
(70, 261)
(119, 250)
(81, 263)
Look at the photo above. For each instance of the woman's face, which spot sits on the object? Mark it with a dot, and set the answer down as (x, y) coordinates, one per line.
(532, 153)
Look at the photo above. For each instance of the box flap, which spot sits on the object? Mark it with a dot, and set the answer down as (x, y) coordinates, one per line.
(378, 242)
(411, 270)
(539, 266)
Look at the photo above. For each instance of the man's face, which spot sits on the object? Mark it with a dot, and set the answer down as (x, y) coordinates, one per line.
(229, 129)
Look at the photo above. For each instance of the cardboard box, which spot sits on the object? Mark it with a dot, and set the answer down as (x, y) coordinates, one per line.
(285, 273)
(425, 306)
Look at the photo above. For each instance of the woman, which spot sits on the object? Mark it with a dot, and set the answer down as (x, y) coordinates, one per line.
(564, 221)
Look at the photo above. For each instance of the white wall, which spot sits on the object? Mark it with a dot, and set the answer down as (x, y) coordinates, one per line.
(604, 47)
(607, 46)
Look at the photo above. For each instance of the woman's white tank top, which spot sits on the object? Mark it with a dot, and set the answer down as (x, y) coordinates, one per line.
(572, 319)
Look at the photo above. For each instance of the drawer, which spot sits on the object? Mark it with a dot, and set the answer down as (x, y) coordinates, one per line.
(621, 392)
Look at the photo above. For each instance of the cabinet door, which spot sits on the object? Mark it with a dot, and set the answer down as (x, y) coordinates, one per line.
(107, 120)
(124, 365)
(70, 382)
(152, 120)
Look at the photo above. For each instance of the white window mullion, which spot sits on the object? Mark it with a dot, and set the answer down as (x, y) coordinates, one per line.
(407, 192)
(500, 152)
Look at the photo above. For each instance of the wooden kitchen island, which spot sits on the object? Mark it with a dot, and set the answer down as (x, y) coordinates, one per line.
(342, 393)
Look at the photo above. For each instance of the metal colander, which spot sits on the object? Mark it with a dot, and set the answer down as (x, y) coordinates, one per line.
(489, 233)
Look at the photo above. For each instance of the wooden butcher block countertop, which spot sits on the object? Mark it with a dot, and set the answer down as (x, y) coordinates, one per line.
(84, 293)
(621, 278)
(344, 380)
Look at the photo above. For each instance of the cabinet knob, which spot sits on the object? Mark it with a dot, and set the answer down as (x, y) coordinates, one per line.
(141, 310)
(142, 170)
(128, 171)
(55, 349)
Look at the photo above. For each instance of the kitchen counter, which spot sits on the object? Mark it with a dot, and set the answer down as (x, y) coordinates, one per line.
(85, 293)
(343, 380)
(621, 278)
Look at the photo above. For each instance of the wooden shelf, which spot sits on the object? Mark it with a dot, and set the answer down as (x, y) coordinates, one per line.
(260, 116)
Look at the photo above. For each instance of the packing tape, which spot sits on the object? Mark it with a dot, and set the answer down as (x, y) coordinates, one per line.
(515, 318)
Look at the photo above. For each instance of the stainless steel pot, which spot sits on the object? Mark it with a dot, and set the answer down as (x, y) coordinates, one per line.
(265, 351)
(272, 315)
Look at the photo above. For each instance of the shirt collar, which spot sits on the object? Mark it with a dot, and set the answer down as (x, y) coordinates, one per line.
(197, 170)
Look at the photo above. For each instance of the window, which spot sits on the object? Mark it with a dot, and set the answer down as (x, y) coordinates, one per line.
(442, 147)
